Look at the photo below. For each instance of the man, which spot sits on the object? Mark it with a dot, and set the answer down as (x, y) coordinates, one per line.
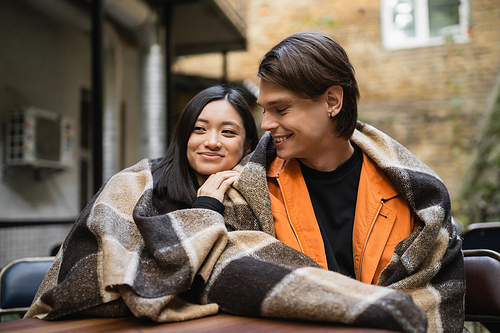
(352, 199)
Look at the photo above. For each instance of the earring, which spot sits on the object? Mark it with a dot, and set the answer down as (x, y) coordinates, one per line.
(331, 115)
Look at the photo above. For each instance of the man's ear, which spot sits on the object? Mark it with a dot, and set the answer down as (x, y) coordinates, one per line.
(334, 99)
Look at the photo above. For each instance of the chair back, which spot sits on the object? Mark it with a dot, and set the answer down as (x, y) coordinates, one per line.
(484, 235)
(482, 277)
(19, 282)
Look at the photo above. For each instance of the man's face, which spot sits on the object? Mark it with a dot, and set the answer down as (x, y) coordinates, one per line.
(301, 128)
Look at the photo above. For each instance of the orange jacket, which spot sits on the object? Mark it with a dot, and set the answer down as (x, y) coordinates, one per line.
(381, 221)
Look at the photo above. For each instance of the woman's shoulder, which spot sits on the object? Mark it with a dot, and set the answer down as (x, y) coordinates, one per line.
(155, 162)
(144, 164)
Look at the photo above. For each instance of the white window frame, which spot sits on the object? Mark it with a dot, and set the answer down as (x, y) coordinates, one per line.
(392, 41)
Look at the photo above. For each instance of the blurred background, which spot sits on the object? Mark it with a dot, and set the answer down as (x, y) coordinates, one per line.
(88, 88)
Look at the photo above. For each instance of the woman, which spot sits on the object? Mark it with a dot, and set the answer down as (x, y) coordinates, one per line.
(113, 261)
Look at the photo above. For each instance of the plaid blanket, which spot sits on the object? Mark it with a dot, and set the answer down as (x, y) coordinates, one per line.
(131, 252)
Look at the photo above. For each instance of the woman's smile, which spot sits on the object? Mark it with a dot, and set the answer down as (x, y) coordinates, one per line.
(211, 156)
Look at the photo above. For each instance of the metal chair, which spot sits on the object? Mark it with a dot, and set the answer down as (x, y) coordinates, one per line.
(485, 235)
(482, 277)
(19, 282)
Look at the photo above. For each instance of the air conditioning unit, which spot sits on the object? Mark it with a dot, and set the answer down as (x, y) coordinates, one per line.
(40, 138)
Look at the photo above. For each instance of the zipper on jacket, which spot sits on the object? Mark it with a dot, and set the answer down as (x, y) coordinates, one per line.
(368, 237)
(288, 215)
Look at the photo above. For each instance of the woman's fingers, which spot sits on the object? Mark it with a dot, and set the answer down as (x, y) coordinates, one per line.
(226, 183)
(217, 184)
(214, 182)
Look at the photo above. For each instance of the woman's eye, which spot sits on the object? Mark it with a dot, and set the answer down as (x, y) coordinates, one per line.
(229, 132)
(198, 129)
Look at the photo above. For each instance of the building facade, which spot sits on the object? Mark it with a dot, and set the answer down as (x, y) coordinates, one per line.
(429, 84)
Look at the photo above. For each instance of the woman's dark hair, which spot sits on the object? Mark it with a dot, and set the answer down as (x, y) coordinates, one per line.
(176, 179)
(307, 63)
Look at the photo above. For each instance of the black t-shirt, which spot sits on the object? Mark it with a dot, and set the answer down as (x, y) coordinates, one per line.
(333, 196)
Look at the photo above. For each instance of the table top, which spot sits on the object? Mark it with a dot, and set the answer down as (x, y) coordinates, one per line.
(217, 323)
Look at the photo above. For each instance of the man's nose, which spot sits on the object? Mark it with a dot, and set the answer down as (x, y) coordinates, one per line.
(268, 122)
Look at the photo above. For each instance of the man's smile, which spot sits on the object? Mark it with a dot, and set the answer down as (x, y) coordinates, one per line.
(281, 138)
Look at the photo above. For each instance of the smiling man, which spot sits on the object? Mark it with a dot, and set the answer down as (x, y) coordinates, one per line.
(347, 195)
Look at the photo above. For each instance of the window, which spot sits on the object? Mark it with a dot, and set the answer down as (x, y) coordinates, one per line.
(415, 23)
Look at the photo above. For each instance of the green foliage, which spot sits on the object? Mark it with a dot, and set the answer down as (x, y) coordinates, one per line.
(479, 199)
(308, 22)
(10, 317)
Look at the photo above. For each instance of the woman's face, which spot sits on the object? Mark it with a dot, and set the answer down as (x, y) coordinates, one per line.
(217, 142)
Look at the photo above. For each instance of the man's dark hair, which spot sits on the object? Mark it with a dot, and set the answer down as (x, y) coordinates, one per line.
(176, 179)
(307, 63)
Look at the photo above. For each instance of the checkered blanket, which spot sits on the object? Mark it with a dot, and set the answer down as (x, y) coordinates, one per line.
(130, 252)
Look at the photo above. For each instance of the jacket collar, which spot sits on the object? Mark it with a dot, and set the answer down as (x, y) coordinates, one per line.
(276, 166)
(380, 183)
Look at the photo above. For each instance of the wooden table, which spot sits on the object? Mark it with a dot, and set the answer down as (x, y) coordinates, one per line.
(217, 323)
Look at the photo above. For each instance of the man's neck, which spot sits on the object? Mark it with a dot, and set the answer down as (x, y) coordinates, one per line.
(332, 157)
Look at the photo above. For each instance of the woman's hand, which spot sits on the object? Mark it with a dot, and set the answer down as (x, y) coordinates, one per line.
(217, 184)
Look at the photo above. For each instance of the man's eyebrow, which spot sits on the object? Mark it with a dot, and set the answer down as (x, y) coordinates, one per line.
(277, 101)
